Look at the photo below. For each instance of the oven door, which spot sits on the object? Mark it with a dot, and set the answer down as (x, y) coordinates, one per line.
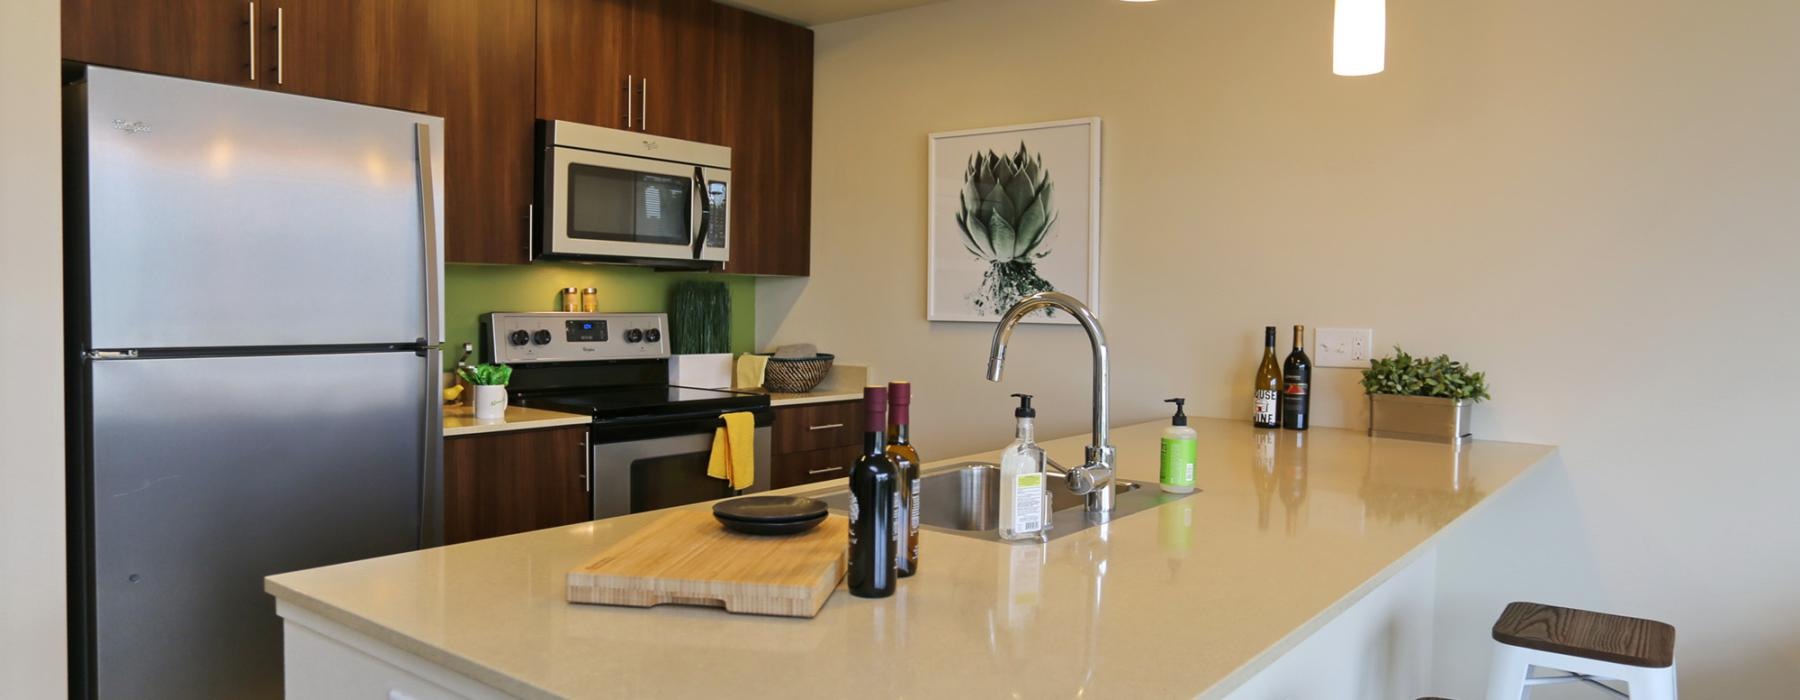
(661, 465)
(614, 206)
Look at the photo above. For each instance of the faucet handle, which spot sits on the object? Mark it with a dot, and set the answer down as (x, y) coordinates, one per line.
(1081, 481)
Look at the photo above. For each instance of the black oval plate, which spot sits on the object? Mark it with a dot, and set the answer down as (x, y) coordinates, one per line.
(756, 528)
(769, 509)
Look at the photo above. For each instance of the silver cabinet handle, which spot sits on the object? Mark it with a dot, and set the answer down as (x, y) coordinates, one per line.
(644, 106)
(826, 470)
(278, 46)
(530, 229)
(253, 42)
(587, 468)
(827, 426)
(629, 79)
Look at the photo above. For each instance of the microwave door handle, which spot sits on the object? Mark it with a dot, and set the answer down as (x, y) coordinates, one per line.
(704, 205)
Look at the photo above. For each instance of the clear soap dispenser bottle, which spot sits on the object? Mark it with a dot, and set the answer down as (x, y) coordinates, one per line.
(1024, 505)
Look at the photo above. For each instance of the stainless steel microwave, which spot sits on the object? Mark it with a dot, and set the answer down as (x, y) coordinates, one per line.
(624, 196)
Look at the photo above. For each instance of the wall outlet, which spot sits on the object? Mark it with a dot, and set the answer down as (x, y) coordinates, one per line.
(1343, 347)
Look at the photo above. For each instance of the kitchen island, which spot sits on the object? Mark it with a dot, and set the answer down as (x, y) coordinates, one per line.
(1298, 546)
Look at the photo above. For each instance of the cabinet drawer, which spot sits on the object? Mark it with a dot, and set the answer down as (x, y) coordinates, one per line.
(818, 426)
(817, 465)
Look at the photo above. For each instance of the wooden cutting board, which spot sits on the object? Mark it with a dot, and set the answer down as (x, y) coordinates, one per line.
(688, 558)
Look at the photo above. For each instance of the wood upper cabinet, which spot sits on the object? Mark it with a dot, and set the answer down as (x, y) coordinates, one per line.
(372, 52)
(484, 65)
(677, 51)
(640, 65)
(583, 53)
(200, 39)
(503, 483)
(768, 108)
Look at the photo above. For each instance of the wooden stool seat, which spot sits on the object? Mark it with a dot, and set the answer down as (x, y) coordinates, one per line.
(1590, 635)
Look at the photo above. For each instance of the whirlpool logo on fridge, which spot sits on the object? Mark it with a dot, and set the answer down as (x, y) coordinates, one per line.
(133, 127)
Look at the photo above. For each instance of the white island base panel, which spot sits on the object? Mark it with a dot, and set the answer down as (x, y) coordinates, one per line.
(1381, 647)
(1304, 567)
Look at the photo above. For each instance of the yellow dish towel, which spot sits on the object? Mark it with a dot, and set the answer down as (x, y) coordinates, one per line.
(734, 451)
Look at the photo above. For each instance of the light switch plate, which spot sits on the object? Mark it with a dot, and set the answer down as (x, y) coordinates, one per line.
(1343, 347)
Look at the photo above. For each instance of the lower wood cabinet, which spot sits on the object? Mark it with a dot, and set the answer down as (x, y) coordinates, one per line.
(503, 483)
(816, 442)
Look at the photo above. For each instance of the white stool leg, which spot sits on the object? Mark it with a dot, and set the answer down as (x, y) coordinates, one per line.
(1651, 684)
(1506, 673)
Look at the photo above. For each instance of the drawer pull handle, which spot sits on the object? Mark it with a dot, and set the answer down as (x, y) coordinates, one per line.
(826, 470)
(827, 426)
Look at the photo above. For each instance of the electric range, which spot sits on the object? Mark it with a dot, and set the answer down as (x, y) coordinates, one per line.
(650, 442)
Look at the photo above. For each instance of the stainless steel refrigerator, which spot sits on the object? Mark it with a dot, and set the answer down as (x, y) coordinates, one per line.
(253, 306)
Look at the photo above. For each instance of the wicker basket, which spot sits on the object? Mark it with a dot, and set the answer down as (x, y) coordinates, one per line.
(796, 376)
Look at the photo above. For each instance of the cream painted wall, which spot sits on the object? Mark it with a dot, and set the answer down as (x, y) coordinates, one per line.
(32, 618)
(1594, 201)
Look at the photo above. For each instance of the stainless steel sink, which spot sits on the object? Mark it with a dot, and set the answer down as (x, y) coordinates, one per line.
(964, 499)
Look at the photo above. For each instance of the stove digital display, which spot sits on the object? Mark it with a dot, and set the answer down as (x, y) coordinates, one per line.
(586, 331)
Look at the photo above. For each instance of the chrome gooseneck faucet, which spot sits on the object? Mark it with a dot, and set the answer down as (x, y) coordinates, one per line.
(1095, 478)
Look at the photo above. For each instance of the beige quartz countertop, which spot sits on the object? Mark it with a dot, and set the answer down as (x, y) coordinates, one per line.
(461, 420)
(1188, 599)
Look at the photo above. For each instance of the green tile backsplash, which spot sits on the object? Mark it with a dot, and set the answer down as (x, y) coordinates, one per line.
(472, 290)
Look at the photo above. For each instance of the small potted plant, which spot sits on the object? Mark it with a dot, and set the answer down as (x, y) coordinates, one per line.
(1419, 398)
(489, 385)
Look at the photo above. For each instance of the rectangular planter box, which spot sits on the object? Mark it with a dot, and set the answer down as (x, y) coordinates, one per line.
(708, 371)
(1419, 418)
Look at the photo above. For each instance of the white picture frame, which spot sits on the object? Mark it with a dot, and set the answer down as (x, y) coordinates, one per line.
(958, 282)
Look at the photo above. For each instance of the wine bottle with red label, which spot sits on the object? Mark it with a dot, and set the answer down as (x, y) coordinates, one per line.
(1296, 388)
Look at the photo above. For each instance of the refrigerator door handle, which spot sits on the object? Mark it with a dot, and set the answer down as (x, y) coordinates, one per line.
(431, 496)
(428, 221)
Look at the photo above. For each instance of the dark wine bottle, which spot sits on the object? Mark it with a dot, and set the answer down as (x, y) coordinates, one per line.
(906, 459)
(1296, 394)
(1267, 391)
(875, 509)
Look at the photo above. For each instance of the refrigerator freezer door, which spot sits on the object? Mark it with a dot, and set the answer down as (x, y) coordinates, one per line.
(211, 473)
(220, 216)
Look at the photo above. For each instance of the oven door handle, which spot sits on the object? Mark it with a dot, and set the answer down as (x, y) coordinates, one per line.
(703, 207)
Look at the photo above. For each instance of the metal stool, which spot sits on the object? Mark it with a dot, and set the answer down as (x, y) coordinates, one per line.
(1586, 647)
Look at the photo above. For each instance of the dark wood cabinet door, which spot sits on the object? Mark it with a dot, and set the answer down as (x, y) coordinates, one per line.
(483, 84)
(503, 483)
(814, 426)
(583, 61)
(768, 107)
(372, 52)
(816, 465)
(678, 56)
(200, 39)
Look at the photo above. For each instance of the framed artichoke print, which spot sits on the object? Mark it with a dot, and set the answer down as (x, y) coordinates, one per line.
(1014, 210)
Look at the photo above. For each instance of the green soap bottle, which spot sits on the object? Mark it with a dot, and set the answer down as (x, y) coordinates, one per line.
(1179, 444)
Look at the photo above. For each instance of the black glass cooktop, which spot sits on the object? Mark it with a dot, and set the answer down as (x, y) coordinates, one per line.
(643, 402)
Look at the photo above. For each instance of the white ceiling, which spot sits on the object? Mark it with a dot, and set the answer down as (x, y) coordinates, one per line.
(816, 12)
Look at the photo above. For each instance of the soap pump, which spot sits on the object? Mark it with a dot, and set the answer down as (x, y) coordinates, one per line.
(1179, 444)
(1024, 506)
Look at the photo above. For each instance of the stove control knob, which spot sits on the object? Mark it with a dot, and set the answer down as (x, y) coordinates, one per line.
(519, 337)
(652, 335)
(541, 337)
(634, 335)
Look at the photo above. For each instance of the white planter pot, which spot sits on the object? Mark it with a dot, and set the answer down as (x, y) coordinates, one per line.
(489, 402)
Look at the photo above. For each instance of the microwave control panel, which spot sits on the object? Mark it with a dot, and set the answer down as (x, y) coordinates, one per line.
(530, 337)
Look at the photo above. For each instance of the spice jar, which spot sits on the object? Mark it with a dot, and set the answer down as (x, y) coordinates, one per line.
(590, 300)
(571, 299)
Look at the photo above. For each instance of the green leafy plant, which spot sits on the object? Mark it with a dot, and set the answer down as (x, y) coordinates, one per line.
(487, 375)
(1439, 377)
(1006, 212)
(699, 318)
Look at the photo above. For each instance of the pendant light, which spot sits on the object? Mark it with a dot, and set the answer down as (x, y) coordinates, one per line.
(1359, 37)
